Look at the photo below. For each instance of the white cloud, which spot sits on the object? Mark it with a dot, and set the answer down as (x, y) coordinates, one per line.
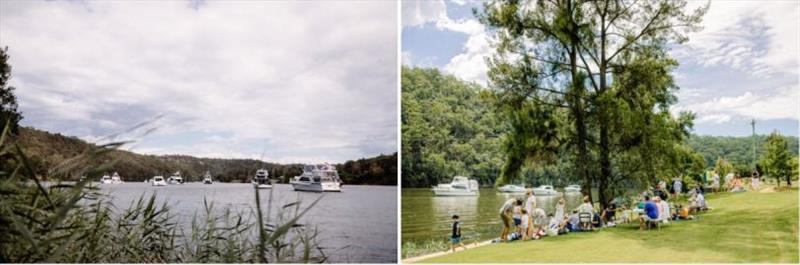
(781, 104)
(459, 2)
(753, 36)
(419, 12)
(468, 65)
(259, 71)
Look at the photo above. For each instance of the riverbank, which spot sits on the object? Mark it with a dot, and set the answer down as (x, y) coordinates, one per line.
(743, 227)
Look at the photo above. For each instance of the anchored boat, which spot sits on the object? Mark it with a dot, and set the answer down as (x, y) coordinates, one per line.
(106, 179)
(158, 181)
(512, 189)
(317, 178)
(207, 178)
(175, 178)
(115, 179)
(544, 190)
(460, 186)
(261, 180)
(572, 189)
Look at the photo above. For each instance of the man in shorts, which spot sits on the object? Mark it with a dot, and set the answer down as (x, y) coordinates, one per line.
(505, 216)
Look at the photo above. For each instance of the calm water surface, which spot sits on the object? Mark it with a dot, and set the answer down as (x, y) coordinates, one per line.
(356, 225)
(426, 217)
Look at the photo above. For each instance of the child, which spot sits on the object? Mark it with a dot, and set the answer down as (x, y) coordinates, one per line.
(455, 238)
(523, 226)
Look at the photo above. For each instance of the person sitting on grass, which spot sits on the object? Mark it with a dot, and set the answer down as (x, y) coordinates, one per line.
(609, 212)
(455, 238)
(505, 216)
(539, 223)
(553, 225)
(699, 203)
(523, 228)
(738, 186)
(650, 213)
(574, 222)
(682, 213)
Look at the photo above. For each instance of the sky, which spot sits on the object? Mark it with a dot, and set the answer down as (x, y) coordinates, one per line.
(743, 65)
(281, 81)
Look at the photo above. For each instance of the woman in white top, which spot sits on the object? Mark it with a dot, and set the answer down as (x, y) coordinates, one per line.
(560, 209)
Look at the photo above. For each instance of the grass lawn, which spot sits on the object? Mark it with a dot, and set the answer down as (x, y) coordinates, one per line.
(743, 227)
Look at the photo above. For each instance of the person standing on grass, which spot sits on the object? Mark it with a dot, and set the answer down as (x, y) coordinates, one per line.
(530, 204)
(524, 228)
(755, 182)
(455, 238)
(505, 216)
(560, 208)
(677, 186)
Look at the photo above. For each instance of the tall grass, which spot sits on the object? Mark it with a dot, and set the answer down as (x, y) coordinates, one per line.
(74, 223)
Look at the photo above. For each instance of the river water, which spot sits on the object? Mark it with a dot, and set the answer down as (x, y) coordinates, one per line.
(427, 217)
(357, 225)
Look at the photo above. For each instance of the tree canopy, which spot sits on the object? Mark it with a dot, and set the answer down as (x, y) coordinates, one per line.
(605, 64)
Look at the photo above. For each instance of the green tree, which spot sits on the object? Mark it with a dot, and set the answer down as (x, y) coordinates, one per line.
(723, 167)
(564, 54)
(8, 102)
(449, 127)
(776, 161)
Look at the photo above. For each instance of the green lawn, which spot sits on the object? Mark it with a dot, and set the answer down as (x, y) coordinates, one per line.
(744, 227)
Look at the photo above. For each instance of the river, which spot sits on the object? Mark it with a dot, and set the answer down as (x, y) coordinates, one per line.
(357, 225)
(427, 217)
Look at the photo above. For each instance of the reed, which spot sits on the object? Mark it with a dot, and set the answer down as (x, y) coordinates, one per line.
(74, 223)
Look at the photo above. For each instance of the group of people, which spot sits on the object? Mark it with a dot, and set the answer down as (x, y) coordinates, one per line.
(655, 208)
(522, 219)
(735, 183)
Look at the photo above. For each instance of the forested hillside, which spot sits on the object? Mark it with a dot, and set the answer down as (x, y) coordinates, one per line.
(47, 150)
(449, 128)
(736, 150)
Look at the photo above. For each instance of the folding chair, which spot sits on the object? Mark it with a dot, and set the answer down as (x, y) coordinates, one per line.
(585, 218)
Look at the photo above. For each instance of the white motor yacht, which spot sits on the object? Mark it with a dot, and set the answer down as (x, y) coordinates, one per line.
(544, 190)
(512, 189)
(158, 181)
(115, 179)
(106, 179)
(317, 178)
(207, 178)
(261, 180)
(460, 186)
(572, 188)
(175, 178)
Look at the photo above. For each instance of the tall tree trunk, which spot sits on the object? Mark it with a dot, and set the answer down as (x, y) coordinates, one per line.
(605, 156)
(576, 96)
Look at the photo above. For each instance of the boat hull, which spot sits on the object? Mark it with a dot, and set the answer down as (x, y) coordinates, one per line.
(443, 192)
(512, 190)
(157, 183)
(544, 192)
(207, 182)
(316, 187)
